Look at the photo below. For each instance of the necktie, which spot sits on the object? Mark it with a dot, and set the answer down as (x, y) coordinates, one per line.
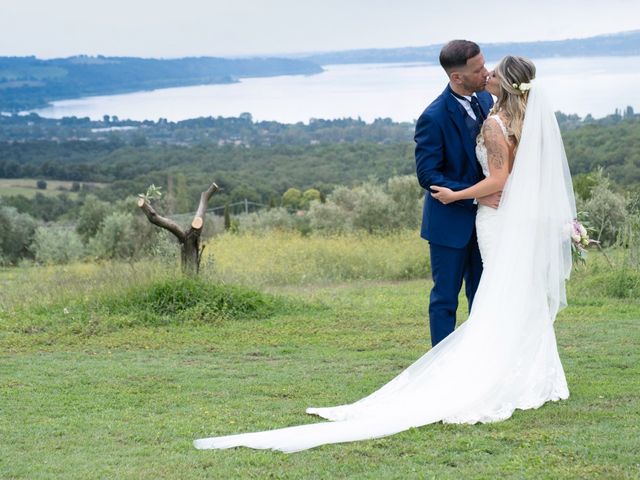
(475, 106)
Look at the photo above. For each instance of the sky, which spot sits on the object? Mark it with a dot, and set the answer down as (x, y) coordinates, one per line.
(178, 28)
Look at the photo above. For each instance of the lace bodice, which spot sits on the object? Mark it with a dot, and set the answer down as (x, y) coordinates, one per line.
(481, 149)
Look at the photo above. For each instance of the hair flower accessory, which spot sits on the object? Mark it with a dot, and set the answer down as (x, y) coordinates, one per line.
(523, 87)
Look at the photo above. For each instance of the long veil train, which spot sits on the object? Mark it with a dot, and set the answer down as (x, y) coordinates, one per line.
(504, 357)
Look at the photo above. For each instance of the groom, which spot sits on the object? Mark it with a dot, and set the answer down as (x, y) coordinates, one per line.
(445, 155)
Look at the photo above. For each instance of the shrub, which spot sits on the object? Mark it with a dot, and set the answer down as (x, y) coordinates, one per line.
(329, 218)
(91, 215)
(583, 184)
(292, 198)
(116, 238)
(309, 196)
(266, 220)
(16, 235)
(57, 245)
(408, 197)
(345, 198)
(372, 207)
(606, 213)
(374, 210)
(629, 240)
(623, 283)
(619, 283)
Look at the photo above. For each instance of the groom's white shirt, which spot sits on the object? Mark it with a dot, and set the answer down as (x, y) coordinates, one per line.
(467, 104)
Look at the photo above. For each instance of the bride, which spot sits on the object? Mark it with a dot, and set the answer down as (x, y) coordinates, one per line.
(504, 357)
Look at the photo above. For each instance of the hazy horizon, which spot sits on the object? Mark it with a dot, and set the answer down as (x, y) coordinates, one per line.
(164, 29)
(317, 52)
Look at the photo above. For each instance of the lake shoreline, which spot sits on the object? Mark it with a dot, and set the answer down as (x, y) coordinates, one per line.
(398, 91)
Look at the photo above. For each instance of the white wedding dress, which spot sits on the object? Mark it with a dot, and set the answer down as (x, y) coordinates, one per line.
(504, 357)
(487, 217)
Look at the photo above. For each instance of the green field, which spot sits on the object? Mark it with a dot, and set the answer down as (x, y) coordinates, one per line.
(112, 370)
(28, 188)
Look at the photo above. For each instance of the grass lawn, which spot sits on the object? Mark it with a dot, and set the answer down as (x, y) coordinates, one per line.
(101, 390)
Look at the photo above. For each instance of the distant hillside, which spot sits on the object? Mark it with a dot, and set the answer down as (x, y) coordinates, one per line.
(29, 83)
(617, 44)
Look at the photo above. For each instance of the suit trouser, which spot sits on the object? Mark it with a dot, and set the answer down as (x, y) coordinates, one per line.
(449, 266)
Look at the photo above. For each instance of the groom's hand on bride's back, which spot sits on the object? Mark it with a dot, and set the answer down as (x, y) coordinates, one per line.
(492, 200)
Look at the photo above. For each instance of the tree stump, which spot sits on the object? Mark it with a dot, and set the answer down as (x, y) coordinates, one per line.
(189, 239)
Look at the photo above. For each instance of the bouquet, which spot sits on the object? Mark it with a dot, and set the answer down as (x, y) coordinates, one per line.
(580, 241)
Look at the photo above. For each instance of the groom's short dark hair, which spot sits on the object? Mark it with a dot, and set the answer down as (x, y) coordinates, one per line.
(456, 53)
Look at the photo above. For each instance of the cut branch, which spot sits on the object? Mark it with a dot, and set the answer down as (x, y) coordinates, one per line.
(198, 220)
(163, 222)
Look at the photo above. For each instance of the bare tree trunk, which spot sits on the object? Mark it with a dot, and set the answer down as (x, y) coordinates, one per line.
(190, 247)
(191, 253)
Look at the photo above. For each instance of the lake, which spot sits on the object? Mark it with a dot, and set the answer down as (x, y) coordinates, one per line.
(595, 85)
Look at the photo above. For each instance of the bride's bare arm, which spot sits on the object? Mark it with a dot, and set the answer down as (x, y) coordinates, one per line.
(498, 159)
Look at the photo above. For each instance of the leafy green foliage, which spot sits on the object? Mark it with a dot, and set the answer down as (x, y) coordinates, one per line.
(16, 234)
(308, 196)
(605, 210)
(292, 198)
(57, 245)
(116, 238)
(371, 206)
(612, 143)
(43, 207)
(255, 173)
(289, 157)
(239, 131)
(152, 193)
(91, 217)
(623, 283)
(268, 220)
(320, 156)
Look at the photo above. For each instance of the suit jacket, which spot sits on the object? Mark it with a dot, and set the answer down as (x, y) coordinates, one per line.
(445, 156)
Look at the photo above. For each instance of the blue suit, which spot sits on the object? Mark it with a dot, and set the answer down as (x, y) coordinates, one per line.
(445, 156)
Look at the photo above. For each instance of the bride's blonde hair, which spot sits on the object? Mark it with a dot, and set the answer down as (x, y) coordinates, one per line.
(513, 72)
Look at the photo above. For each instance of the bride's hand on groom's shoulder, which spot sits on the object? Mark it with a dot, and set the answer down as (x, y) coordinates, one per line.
(492, 200)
